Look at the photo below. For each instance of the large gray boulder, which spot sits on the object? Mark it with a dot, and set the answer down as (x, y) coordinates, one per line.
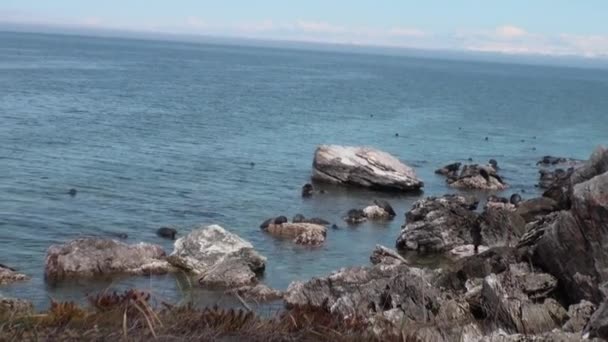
(217, 258)
(438, 224)
(9, 275)
(88, 257)
(363, 166)
(597, 327)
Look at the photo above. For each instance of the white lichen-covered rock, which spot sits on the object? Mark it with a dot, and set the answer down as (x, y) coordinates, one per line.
(87, 257)
(9, 275)
(465, 251)
(217, 257)
(478, 177)
(363, 166)
(300, 233)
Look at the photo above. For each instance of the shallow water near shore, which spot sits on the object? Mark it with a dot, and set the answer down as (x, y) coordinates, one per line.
(164, 133)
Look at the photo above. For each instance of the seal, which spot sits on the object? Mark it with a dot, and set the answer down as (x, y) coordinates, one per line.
(298, 218)
(167, 232)
(385, 206)
(515, 199)
(355, 216)
(307, 190)
(280, 220)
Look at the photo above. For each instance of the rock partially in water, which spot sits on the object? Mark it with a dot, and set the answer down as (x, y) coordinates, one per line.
(88, 257)
(478, 177)
(217, 257)
(450, 170)
(438, 224)
(374, 212)
(300, 233)
(387, 256)
(355, 216)
(579, 315)
(258, 293)
(9, 275)
(12, 307)
(365, 167)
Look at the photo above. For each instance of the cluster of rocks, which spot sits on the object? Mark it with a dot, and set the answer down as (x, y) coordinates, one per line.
(473, 176)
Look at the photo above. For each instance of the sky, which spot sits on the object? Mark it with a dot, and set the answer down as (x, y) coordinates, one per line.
(530, 27)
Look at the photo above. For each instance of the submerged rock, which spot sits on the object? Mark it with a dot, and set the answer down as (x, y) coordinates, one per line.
(217, 257)
(9, 275)
(363, 166)
(88, 257)
(438, 224)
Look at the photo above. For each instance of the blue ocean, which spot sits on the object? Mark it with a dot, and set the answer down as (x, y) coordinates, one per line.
(155, 133)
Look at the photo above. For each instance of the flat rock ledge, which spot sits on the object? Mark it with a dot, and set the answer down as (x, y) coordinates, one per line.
(218, 258)
(364, 167)
(90, 257)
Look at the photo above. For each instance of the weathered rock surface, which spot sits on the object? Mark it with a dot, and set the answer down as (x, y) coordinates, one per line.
(438, 224)
(355, 216)
(300, 233)
(258, 293)
(387, 256)
(88, 257)
(598, 323)
(359, 290)
(363, 166)
(11, 307)
(217, 257)
(477, 177)
(534, 208)
(579, 315)
(9, 275)
(501, 227)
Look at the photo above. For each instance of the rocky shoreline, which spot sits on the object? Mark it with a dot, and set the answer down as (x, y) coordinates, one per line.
(533, 270)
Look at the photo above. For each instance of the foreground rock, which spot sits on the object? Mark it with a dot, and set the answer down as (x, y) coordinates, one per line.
(217, 258)
(438, 224)
(363, 166)
(386, 256)
(472, 176)
(535, 208)
(88, 257)
(598, 323)
(9, 275)
(300, 233)
(11, 307)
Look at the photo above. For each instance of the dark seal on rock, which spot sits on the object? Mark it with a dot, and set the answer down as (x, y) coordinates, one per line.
(298, 218)
(307, 190)
(515, 199)
(280, 220)
(355, 216)
(266, 223)
(386, 206)
(494, 164)
(167, 232)
(316, 220)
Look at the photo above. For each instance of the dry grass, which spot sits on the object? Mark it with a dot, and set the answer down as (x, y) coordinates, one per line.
(129, 316)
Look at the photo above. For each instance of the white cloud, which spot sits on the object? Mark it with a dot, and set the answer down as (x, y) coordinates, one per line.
(406, 32)
(319, 27)
(510, 31)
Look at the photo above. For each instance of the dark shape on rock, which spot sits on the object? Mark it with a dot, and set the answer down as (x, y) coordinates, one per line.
(355, 216)
(470, 159)
(493, 163)
(475, 177)
(307, 190)
(167, 232)
(450, 170)
(515, 199)
(298, 218)
(280, 220)
(316, 220)
(497, 199)
(121, 235)
(386, 206)
(72, 192)
(266, 223)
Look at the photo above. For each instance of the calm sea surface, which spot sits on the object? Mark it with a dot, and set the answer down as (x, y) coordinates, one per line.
(163, 133)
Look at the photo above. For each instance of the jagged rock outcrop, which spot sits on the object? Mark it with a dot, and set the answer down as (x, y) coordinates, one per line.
(88, 257)
(217, 258)
(534, 208)
(579, 315)
(363, 166)
(438, 224)
(473, 176)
